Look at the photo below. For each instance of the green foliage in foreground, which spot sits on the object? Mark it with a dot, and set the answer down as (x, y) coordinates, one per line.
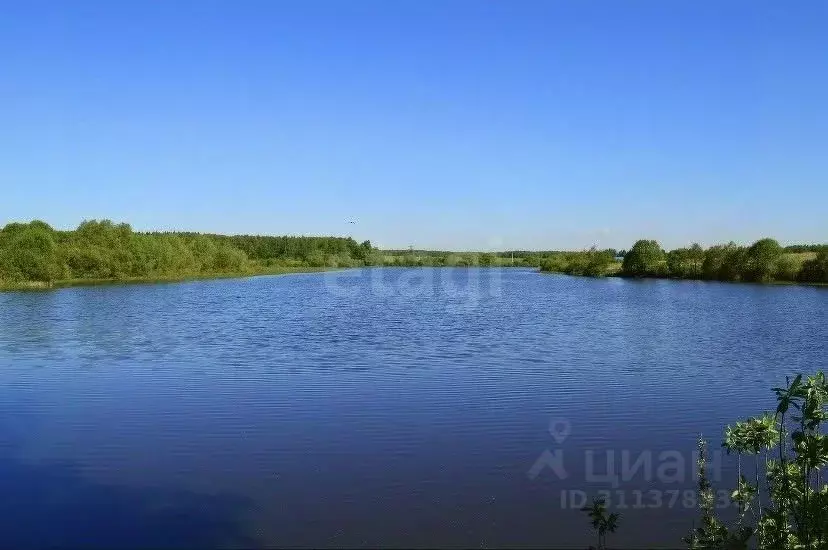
(785, 505)
(602, 522)
(790, 510)
(35, 253)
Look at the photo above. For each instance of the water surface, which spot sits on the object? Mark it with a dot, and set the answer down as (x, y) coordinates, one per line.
(379, 407)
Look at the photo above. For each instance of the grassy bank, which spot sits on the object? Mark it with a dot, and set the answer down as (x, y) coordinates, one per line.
(40, 285)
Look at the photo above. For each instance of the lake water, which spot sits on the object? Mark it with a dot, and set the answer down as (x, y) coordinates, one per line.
(380, 407)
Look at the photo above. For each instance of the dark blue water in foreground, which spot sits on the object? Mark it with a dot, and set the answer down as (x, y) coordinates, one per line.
(383, 407)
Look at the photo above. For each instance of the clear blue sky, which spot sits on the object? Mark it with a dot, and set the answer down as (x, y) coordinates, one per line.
(444, 124)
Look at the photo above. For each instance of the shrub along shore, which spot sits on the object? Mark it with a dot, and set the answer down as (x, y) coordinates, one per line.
(36, 256)
(765, 261)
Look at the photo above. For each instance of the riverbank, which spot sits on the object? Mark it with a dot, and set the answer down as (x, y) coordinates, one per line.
(9, 286)
(614, 271)
(765, 261)
(35, 256)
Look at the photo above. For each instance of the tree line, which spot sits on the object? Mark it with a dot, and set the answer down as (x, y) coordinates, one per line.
(36, 252)
(438, 258)
(105, 250)
(592, 263)
(764, 261)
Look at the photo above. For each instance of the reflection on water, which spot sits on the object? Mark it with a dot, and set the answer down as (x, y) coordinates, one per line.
(379, 407)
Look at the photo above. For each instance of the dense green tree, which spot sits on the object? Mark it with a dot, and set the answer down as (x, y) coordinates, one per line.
(735, 263)
(695, 261)
(364, 253)
(645, 259)
(556, 263)
(787, 269)
(591, 263)
(486, 260)
(761, 259)
(686, 263)
(30, 253)
(816, 270)
(724, 262)
(229, 260)
(106, 250)
(86, 262)
(597, 262)
(713, 260)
